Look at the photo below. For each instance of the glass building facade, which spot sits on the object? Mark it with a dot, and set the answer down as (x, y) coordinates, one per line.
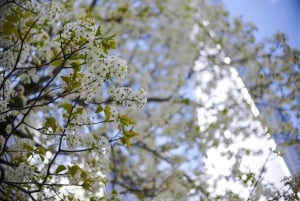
(289, 147)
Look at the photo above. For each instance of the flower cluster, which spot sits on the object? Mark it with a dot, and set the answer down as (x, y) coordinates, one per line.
(83, 118)
(8, 58)
(4, 97)
(102, 69)
(113, 114)
(51, 11)
(127, 96)
(72, 140)
(98, 72)
(103, 154)
(3, 107)
(74, 32)
(114, 66)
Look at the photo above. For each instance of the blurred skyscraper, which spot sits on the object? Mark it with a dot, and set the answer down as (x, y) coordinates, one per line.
(272, 16)
(290, 149)
(271, 166)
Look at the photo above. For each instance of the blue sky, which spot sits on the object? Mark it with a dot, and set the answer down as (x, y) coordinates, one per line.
(269, 16)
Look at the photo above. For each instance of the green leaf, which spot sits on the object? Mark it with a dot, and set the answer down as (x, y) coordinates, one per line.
(67, 107)
(74, 81)
(224, 112)
(73, 169)
(86, 184)
(70, 198)
(126, 141)
(125, 120)
(8, 28)
(185, 101)
(76, 66)
(60, 168)
(40, 150)
(51, 122)
(79, 110)
(98, 32)
(95, 136)
(250, 178)
(66, 79)
(42, 157)
(27, 147)
(130, 133)
(29, 154)
(107, 113)
(57, 62)
(92, 199)
(82, 41)
(108, 43)
(27, 14)
(83, 174)
(99, 109)
(123, 9)
(114, 192)
(8, 190)
(145, 11)
(141, 196)
(78, 57)
(13, 18)
(29, 23)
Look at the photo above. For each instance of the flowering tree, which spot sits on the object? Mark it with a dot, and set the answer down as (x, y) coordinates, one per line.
(58, 90)
(74, 120)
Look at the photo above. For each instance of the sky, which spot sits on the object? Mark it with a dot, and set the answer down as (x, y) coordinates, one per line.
(269, 16)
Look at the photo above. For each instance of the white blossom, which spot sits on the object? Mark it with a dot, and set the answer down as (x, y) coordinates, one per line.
(72, 140)
(127, 96)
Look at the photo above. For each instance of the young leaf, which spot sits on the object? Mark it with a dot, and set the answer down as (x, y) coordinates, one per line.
(125, 120)
(60, 168)
(13, 18)
(27, 147)
(99, 109)
(67, 107)
(86, 184)
(57, 62)
(76, 66)
(8, 28)
(126, 141)
(130, 133)
(73, 169)
(107, 113)
(40, 150)
(79, 110)
(185, 101)
(51, 123)
(98, 32)
(83, 174)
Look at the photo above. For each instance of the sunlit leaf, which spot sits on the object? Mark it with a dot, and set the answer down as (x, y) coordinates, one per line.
(107, 113)
(57, 62)
(125, 120)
